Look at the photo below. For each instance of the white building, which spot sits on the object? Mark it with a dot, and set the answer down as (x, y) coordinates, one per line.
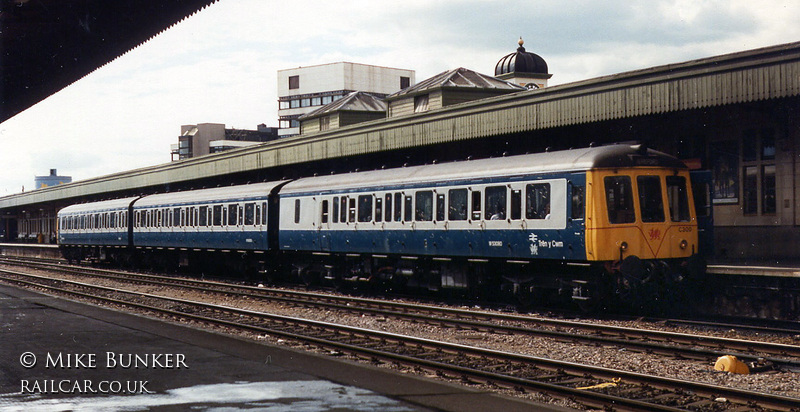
(305, 89)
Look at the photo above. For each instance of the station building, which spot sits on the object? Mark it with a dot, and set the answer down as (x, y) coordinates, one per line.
(204, 138)
(305, 89)
(734, 116)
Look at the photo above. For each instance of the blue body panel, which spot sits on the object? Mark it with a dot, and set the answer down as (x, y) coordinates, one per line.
(506, 244)
(94, 238)
(195, 239)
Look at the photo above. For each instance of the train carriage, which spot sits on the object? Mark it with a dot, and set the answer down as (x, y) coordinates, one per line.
(184, 227)
(91, 229)
(579, 224)
(563, 221)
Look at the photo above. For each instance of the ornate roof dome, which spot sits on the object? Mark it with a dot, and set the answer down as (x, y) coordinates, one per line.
(521, 62)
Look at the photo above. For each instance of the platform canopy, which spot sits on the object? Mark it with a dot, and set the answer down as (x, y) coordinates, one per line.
(49, 44)
(770, 73)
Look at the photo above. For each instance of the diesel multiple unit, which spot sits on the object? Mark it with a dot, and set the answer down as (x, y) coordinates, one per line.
(578, 223)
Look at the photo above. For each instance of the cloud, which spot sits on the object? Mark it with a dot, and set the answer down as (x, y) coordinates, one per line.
(221, 64)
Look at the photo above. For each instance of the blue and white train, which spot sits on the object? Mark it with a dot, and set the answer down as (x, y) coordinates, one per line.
(578, 223)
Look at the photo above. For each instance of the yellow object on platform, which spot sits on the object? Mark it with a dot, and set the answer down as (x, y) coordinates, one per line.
(730, 363)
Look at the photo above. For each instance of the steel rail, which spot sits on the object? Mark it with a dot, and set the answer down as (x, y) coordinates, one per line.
(604, 334)
(764, 400)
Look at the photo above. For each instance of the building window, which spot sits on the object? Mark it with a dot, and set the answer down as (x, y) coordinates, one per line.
(768, 203)
(283, 104)
(316, 101)
(294, 82)
(404, 82)
(421, 103)
(324, 123)
(758, 172)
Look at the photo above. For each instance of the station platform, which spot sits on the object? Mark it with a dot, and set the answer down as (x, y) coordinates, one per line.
(59, 355)
(786, 268)
(744, 267)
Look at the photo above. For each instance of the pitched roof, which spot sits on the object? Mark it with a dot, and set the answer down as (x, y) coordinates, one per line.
(353, 102)
(457, 78)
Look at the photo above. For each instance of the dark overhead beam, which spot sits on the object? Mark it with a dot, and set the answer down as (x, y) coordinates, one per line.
(46, 45)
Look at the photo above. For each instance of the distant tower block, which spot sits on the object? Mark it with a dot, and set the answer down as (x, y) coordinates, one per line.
(52, 180)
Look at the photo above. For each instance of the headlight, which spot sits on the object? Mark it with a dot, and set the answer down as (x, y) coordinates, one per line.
(623, 246)
(684, 244)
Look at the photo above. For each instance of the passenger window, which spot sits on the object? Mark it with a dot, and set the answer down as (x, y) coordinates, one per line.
(343, 210)
(388, 208)
(336, 209)
(365, 208)
(241, 215)
(578, 202)
(651, 203)
(378, 209)
(424, 206)
(398, 208)
(457, 209)
(264, 213)
(249, 214)
(678, 199)
(351, 211)
(407, 214)
(440, 207)
(203, 217)
(476, 205)
(537, 201)
(217, 215)
(324, 214)
(297, 211)
(232, 215)
(516, 205)
(619, 199)
(496, 203)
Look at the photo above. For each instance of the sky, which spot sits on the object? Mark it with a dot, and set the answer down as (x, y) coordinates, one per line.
(220, 65)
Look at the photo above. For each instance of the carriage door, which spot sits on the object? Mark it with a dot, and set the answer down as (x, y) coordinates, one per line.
(576, 217)
(326, 213)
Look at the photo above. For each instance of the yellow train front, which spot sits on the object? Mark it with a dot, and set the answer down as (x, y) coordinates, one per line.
(641, 224)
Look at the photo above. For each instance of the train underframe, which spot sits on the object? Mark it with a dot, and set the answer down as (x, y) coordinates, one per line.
(630, 283)
(643, 284)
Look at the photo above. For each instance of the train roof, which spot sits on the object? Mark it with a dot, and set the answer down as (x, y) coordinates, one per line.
(227, 193)
(614, 156)
(101, 206)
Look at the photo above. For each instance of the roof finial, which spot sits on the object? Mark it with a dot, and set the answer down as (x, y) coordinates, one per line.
(520, 42)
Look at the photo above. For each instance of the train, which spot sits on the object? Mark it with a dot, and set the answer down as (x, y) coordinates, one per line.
(582, 225)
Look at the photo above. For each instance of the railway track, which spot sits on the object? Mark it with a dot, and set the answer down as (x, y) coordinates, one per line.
(593, 386)
(680, 345)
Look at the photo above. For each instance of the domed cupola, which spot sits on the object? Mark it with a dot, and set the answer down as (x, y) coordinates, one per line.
(523, 68)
